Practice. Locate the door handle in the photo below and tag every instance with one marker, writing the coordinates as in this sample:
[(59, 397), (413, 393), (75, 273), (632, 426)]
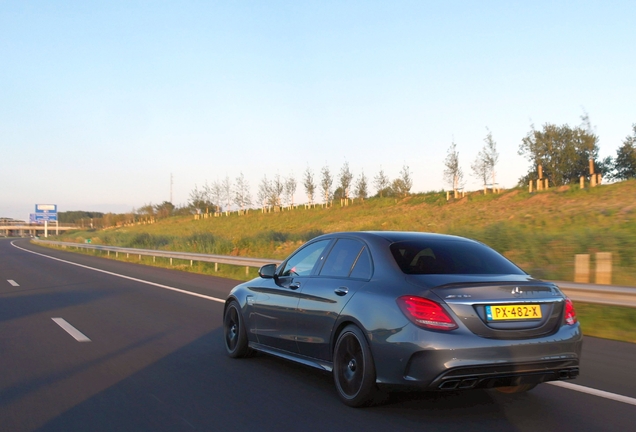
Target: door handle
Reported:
[(294, 286), (341, 291)]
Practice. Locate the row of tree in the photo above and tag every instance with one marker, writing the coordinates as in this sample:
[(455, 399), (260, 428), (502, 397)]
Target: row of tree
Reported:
[(280, 191), (563, 152)]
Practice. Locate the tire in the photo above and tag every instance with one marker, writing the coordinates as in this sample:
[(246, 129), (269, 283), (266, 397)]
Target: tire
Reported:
[(234, 332), (353, 368), (522, 388)]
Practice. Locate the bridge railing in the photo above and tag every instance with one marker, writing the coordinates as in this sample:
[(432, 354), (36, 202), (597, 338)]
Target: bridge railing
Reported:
[(585, 293)]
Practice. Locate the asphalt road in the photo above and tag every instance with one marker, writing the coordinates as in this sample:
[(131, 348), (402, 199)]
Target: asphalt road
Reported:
[(149, 356)]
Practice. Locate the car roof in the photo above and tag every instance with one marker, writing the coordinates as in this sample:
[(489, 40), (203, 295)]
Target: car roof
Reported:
[(397, 236)]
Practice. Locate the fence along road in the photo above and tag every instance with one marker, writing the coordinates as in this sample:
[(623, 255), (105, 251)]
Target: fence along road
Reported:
[(586, 293)]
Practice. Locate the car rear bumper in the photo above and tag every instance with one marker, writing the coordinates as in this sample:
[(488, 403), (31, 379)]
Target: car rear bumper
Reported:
[(444, 361)]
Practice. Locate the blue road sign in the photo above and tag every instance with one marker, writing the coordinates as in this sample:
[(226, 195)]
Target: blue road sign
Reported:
[(45, 212)]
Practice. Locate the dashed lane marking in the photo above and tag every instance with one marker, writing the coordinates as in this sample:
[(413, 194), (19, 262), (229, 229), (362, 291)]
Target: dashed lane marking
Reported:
[(78, 335)]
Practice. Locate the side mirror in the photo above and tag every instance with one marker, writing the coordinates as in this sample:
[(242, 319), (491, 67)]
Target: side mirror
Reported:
[(268, 271)]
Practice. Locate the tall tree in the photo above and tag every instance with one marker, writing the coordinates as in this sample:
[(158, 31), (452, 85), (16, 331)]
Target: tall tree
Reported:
[(226, 191), (326, 181), (215, 192), (403, 184), (562, 151), (345, 180), (290, 190), (197, 199), (453, 173), (164, 209), (625, 163), (310, 185), (277, 189), (242, 196), (484, 165), (264, 193), (361, 187), (381, 183)]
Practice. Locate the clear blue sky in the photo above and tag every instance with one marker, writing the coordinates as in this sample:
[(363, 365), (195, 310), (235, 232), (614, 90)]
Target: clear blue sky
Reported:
[(101, 101)]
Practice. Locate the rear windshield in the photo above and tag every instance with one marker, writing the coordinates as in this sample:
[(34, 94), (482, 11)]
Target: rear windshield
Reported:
[(450, 257)]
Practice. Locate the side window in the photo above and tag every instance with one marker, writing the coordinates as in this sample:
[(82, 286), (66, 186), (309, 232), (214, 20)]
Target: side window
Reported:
[(303, 262), (363, 267), (341, 258)]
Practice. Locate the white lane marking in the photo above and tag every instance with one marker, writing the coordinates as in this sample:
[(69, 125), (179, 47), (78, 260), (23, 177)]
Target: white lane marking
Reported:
[(126, 277), (78, 335), (594, 392), (12, 282)]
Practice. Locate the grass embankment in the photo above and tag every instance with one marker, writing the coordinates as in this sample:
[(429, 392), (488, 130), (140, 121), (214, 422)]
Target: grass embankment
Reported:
[(541, 232)]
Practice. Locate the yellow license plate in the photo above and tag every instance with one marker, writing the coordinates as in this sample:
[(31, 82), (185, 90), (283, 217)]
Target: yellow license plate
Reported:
[(513, 312)]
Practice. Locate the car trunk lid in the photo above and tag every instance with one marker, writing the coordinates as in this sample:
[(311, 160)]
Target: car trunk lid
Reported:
[(503, 309)]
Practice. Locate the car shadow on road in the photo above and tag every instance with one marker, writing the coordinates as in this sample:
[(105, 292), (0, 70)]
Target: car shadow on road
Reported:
[(197, 387)]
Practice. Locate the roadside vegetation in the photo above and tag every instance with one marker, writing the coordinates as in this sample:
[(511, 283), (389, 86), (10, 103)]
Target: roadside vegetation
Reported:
[(540, 231)]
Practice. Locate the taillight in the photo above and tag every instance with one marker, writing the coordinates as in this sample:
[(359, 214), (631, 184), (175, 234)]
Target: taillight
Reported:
[(570, 313), (426, 313)]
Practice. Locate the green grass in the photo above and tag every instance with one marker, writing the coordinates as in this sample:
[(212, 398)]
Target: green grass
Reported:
[(541, 232), (608, 322)]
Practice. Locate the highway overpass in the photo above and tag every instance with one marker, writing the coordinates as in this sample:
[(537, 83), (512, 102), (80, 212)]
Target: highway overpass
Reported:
[(23, 229)]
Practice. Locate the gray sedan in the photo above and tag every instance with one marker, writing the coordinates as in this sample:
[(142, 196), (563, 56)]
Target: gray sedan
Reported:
[(389, 310)]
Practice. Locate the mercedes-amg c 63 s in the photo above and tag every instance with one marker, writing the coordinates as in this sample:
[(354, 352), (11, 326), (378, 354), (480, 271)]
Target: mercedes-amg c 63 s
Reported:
[(406, 309)]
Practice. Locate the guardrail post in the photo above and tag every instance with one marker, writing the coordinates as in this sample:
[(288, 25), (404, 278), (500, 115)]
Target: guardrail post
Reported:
[(216, 267), (582, 268), (247, 270), (603, 268)]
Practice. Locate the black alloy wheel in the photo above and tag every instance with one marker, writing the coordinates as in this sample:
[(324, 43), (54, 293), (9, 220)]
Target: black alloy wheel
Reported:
[(353, 368), (235, 335)]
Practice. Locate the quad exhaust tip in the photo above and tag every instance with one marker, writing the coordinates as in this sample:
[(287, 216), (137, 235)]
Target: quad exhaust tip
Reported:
[(472, 382)]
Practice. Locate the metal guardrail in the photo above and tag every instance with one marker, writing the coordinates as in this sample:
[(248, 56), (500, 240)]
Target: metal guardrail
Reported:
[(585, 293), (599, 294), (188, 256)]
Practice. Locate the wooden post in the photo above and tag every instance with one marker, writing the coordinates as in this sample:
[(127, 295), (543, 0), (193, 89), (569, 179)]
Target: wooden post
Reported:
[(593, 180), (604, 268), (539, 185), (546, 184), (591, 166), (216, 267), (582, 181), (540, 172), (447, 195), (582, 268), (530, 187)]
